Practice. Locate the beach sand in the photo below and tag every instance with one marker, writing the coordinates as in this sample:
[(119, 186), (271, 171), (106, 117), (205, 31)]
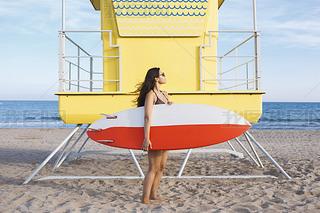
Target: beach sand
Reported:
[(297, 151)]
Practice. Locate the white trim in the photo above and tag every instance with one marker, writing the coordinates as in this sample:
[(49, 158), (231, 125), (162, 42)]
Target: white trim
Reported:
[(172, 115)]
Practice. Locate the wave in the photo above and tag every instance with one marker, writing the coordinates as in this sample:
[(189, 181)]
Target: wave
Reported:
[(185, 1), (163, 7), (159, 21), (160, 28), (30, 118), (30, 123), (160, 14), (40, 119), (290, 119), (56, 118), (36, 125), (286, 127)]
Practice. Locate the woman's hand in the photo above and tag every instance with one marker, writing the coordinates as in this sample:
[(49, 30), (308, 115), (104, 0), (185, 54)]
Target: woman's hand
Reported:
[(170, 102), (146, 144)]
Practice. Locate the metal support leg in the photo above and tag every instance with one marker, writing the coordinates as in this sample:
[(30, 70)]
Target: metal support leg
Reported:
[(77, 154), (69, 150), (267, 154), (184, 162), (61, 154), (136, 163), (84, 143), (244, 148), (233, 149), (52, 154), (254, 151)]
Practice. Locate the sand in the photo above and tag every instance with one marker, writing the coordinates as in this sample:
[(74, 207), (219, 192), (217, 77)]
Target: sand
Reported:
[(297, 151)]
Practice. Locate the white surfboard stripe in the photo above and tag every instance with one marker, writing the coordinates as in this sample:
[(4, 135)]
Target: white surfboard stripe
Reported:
[(172, 115)]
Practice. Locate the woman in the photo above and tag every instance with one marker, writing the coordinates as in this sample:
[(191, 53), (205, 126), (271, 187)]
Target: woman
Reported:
[(150, 94)]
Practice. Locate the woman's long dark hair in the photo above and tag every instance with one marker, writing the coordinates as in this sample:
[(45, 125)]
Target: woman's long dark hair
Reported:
[(146, 86)]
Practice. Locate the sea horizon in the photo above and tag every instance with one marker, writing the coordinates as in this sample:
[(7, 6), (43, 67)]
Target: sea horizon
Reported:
[(45, 114), (262, 101)]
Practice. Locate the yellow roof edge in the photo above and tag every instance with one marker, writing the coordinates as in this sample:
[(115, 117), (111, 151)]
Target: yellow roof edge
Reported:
[(220, 2), (171, 93), (96, 4)]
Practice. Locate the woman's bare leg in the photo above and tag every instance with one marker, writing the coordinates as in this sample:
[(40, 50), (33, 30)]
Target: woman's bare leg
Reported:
[(158, 177), (154, 158)]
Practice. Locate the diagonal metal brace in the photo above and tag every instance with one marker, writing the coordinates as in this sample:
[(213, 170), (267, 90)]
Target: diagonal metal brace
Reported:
[(52, 154), (267, 154)]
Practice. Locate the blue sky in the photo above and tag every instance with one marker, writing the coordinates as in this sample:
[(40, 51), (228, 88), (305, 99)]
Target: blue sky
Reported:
[(290, 44)]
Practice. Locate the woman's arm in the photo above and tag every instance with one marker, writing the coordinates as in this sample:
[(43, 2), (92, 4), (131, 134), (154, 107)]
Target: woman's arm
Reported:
[(148, 105)]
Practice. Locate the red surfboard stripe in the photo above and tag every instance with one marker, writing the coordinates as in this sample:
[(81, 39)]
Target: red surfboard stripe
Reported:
[(169, 137)]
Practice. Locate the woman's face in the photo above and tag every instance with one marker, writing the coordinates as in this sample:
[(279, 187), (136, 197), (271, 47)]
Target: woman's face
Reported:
[(161, 78)]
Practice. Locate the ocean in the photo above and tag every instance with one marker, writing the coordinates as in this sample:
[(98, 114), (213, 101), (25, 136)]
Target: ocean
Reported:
[(31, 114), (289, 115), (44, 114)]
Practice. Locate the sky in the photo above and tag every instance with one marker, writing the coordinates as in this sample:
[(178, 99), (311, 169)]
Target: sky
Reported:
[(290, 45)]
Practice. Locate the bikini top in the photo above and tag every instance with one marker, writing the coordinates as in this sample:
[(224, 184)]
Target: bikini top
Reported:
[(159, 101)]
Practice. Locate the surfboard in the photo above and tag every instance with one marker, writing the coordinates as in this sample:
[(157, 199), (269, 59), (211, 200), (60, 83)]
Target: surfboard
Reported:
[(176, 126)]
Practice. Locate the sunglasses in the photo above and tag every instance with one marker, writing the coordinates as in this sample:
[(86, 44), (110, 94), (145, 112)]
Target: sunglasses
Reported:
[(162, 74)]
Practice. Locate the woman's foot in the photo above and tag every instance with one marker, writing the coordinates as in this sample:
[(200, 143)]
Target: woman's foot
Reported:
[(157, 198), (144, 201)]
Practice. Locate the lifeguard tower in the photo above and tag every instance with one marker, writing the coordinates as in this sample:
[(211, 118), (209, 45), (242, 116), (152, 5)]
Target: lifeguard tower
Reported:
[(179, 36)]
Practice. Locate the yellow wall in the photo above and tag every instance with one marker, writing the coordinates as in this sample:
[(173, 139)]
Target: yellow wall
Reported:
[(177, 56), (85, 108)]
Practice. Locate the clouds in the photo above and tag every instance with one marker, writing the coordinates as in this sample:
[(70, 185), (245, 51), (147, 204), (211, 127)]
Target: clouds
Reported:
[(82, 16), (34, 17), (29, 44), (293, 24), (29, 16), (290, 23), (290, 43)]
